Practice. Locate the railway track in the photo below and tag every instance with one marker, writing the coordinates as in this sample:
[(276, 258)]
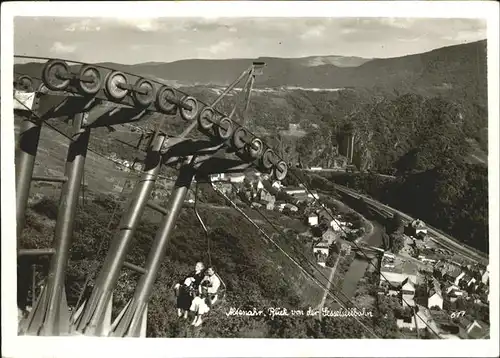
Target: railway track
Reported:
[(439, 237)]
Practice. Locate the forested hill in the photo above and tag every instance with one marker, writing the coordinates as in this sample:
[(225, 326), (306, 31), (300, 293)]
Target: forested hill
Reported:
[(395, 105), (438, 71)]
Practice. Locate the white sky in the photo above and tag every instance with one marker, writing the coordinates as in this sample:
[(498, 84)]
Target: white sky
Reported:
[(129, 40)]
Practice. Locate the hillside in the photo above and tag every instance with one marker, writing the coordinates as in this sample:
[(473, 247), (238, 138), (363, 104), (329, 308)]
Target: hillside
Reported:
[(391, 103), (412, 116), (255, 272)]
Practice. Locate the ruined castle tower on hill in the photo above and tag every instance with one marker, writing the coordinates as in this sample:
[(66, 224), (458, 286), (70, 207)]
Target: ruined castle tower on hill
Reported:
[(345, 140)]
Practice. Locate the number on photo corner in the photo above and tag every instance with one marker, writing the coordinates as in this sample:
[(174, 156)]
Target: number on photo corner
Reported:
[(457, 314)]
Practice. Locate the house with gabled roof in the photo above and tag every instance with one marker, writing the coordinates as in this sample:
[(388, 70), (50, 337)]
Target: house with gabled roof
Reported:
[(435, 296), (408, 293), (473, 329), (397, 271), (459, 277)]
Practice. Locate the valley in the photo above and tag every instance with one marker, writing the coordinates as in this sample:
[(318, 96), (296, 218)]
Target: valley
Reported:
[(418, 124)]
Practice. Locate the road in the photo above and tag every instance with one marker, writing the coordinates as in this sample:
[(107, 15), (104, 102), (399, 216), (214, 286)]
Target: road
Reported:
[(327, 289), (440, 238)]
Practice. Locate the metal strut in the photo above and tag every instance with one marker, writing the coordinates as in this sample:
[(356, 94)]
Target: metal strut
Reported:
[(29, 137), (92, 319), (131, 322), (50, 316)]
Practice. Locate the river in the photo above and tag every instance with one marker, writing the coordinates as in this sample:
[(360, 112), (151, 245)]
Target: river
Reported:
[(359, 265)]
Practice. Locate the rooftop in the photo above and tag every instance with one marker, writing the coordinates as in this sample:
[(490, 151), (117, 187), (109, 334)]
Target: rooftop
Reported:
[(474, 331), (290, 188), (435, 288), (322, 244), (448, 268), (400, 266)]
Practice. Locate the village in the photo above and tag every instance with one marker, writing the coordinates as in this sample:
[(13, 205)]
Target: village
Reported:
[(450, 293)]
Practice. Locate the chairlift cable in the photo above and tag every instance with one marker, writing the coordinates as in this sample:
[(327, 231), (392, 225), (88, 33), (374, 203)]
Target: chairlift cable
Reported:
[(358, 247), (307, 274), (314, 266)]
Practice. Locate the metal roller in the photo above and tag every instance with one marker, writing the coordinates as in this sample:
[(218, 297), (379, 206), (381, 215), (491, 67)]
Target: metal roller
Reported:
[(224, 129), (255, 148), (239, 137), (166, 100), (56, 75), (144, 92), (24, 83), (268, 159), (89, 80), (206, 118), (189, 108), (280, 170), (116, 86)]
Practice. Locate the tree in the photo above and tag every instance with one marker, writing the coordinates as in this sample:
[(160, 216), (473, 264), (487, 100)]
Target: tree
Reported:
[(385, 239), (395, 224), (316, 231), (397, 242), (335, 247)]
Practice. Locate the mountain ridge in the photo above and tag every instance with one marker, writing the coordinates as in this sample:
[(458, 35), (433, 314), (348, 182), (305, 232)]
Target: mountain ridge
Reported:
[(390, 72)]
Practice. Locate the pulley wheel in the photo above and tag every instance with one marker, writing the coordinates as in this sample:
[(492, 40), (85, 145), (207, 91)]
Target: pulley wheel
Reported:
[(24, 83), (54, 75), (191, 113), (255, 148), (90, 80), (239, 137), (280, 170), (144, 92), (206, 118), (224, 128), (165, 99), (113, 91), (268, 159)]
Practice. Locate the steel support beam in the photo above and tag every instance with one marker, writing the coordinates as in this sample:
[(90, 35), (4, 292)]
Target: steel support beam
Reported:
[(51, 315), (131, 323), (29, 137), (50, 179), (91, 321), (37, 252)]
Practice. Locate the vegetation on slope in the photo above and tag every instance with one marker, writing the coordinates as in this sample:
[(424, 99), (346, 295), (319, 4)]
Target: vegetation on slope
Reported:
[(433, 72), (452, 197), (422, 139), (255, 273)]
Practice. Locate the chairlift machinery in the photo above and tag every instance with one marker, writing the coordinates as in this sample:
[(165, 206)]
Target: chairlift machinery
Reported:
[(95, 96)]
